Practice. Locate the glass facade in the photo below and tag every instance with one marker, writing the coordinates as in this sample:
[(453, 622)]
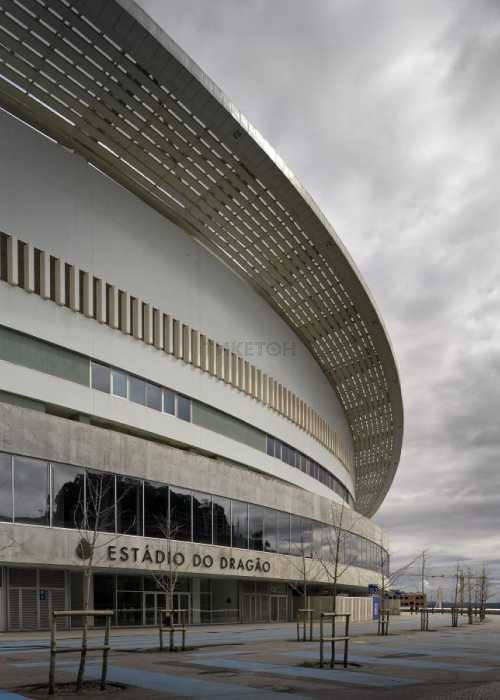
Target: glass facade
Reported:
[(67, 495), (31, 491), (41, 493), (158, 398), (27, 351), (5, 487)]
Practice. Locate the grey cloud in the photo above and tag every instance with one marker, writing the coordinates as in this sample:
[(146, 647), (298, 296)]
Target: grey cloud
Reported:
[(388, 113)]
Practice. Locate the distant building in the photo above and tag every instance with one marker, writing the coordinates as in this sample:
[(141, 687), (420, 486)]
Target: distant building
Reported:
[(418, 600)]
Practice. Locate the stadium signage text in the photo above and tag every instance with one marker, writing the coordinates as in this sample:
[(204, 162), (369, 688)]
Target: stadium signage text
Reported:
[(159, 557)]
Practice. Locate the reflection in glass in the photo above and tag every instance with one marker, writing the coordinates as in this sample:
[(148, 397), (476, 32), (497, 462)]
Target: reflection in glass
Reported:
[(101, 377), (31, 491), (137, 390), (100, 498), (180, 513), (256, 527), (239, 524), (283, 525), (119, 383), (270, 543), (155, 509), (5, 488), (222, 520), (129, 505), (153, 396), (169, 401), (202, 518), (183, 408), (67, 495)]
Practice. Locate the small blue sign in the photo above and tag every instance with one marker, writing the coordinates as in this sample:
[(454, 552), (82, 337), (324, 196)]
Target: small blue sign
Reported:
[(372, 588), (376, 607), (43, 595)]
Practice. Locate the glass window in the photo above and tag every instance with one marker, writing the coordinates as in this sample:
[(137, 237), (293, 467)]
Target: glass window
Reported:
[(169, 401), (277, 449), (296, 539), (5, 487), (101, 377), (307, 536), (129, 505), (31, 491), (153, 396), (222, 520), (119, 383), (317, 539), (270, 531), (283, 527), (100, 498), (202, 517), (183, 408), (256, 527), (137, 390), (270, 446), (155, 510), (239, 524), (180, 513), (67, 495)]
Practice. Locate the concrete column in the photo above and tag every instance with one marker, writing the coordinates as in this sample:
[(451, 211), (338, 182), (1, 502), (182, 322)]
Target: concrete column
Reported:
[(12, 261), (87, 294), (158, 329), (113, 306), (29, 267), (211, 357), (74, 288), (203, 352), (136, 318), (177, 338), (186, 343), (219, 361), (195, 348), (100, 299), (124, 312), (227, 365), (241, 374), (168, 334), (147, 323), (44, 275), (59, 282)]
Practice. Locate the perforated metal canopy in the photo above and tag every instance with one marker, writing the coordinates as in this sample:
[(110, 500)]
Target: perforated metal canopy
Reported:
[(103, 79)]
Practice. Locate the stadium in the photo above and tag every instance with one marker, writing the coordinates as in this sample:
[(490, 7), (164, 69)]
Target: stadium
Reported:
[(195, 383)]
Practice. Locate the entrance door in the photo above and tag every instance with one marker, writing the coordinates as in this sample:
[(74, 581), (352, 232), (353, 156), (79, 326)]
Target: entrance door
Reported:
[(278, 608), (156, 602)]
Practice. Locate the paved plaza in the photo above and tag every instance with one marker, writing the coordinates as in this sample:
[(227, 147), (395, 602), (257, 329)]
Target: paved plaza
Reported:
[(266, 662)]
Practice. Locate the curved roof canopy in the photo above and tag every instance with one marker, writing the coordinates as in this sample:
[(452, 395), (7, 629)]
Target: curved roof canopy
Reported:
[(103, 79)]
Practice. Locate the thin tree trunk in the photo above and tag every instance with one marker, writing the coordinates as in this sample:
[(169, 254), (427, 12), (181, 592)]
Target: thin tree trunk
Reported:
[(83, 651)]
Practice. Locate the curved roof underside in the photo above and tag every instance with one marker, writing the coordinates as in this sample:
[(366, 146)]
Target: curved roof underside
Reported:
[(103, 79)]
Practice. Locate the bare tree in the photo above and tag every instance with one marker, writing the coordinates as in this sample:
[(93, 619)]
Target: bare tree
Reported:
[(306, 566), (337, 555), (483, 592), (166, 577), (95, 519), (388, 579)]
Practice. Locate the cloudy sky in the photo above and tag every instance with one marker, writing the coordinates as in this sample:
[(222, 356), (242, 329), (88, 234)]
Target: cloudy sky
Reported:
[(388, 112)]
